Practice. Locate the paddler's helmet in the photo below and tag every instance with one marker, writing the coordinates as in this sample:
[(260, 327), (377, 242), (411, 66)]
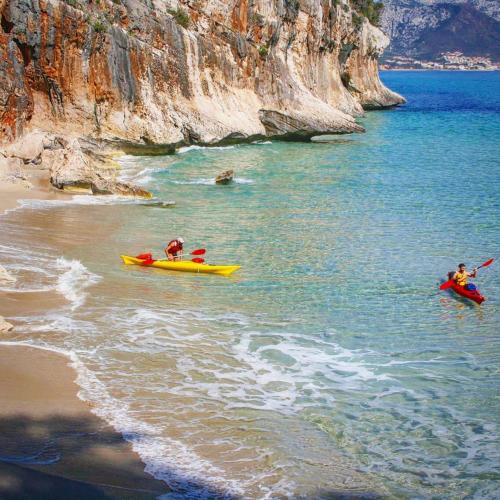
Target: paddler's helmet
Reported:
[(181, 240)]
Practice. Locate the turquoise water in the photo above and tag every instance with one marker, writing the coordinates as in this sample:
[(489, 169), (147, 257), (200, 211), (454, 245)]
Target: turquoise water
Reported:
[(330, 362)]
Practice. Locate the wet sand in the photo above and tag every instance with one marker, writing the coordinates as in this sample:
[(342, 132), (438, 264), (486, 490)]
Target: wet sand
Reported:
[(11, 193), (51, 444)]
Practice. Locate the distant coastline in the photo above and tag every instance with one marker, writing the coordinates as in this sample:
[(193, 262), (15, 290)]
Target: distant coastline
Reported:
[(423, 70), (447, 61)]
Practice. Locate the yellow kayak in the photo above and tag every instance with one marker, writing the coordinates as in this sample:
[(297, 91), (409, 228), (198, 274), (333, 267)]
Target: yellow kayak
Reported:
[(182, 265)]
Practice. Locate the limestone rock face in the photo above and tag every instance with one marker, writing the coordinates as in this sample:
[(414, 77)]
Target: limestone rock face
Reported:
[(360, 73), (16, 98), (146, 73)]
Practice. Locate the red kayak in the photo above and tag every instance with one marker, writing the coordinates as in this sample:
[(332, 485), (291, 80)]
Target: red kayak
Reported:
[(474, 295), (468, 294)]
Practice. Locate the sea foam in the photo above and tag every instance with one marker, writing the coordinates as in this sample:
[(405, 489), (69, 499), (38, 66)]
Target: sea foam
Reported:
[(36, 271), (74, 281), (80, 199), (194, 147)]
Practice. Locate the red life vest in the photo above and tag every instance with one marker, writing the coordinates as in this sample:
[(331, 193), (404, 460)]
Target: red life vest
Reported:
[(176, 248)]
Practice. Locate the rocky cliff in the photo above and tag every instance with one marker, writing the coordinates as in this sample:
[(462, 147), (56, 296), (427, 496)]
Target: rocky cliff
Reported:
[(158, 73)]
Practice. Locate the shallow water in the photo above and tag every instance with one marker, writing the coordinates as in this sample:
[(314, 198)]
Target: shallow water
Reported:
[(330, 362)]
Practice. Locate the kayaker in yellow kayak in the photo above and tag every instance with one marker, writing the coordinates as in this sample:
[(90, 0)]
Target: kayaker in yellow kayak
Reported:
[(461, 275), (174, 250)]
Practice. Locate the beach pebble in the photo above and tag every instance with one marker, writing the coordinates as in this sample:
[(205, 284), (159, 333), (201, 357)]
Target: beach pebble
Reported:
[(5, 277), (5, 326)]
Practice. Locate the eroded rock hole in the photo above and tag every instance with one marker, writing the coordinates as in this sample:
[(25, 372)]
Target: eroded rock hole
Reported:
[(6, 25), (346, 79), (26, 52)]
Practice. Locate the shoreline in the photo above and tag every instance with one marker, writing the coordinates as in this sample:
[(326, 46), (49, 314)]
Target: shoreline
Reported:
[(52, 444), (50, 439), (11, 193)]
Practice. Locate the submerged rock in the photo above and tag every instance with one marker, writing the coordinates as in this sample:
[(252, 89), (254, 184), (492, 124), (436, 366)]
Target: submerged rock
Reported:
[(225, 177), (331, 139), (159, 204)]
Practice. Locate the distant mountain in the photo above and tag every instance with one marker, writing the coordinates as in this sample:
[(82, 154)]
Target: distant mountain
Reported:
[(426, 28)]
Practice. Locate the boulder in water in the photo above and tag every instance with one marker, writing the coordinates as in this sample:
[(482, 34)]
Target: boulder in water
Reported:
[(225, 177)]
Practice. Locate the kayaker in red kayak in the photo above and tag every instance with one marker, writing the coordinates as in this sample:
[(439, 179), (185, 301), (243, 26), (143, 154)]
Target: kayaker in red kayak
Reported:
[(461, 275), (457, 281), (174, 250)]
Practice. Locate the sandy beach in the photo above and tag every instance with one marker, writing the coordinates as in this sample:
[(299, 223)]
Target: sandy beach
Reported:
[(51, 444), (11, 193)]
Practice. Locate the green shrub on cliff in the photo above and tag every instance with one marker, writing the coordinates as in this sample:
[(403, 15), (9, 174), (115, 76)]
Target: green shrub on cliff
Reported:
[(263, 50), (357, 20), (371, 9), (73, 3), (99, 26), (181, 16)]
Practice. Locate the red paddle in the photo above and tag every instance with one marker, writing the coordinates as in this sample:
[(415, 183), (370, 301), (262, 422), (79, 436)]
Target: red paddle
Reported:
[(486, 264), (200, 251), (198, 260), (449, 283)]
